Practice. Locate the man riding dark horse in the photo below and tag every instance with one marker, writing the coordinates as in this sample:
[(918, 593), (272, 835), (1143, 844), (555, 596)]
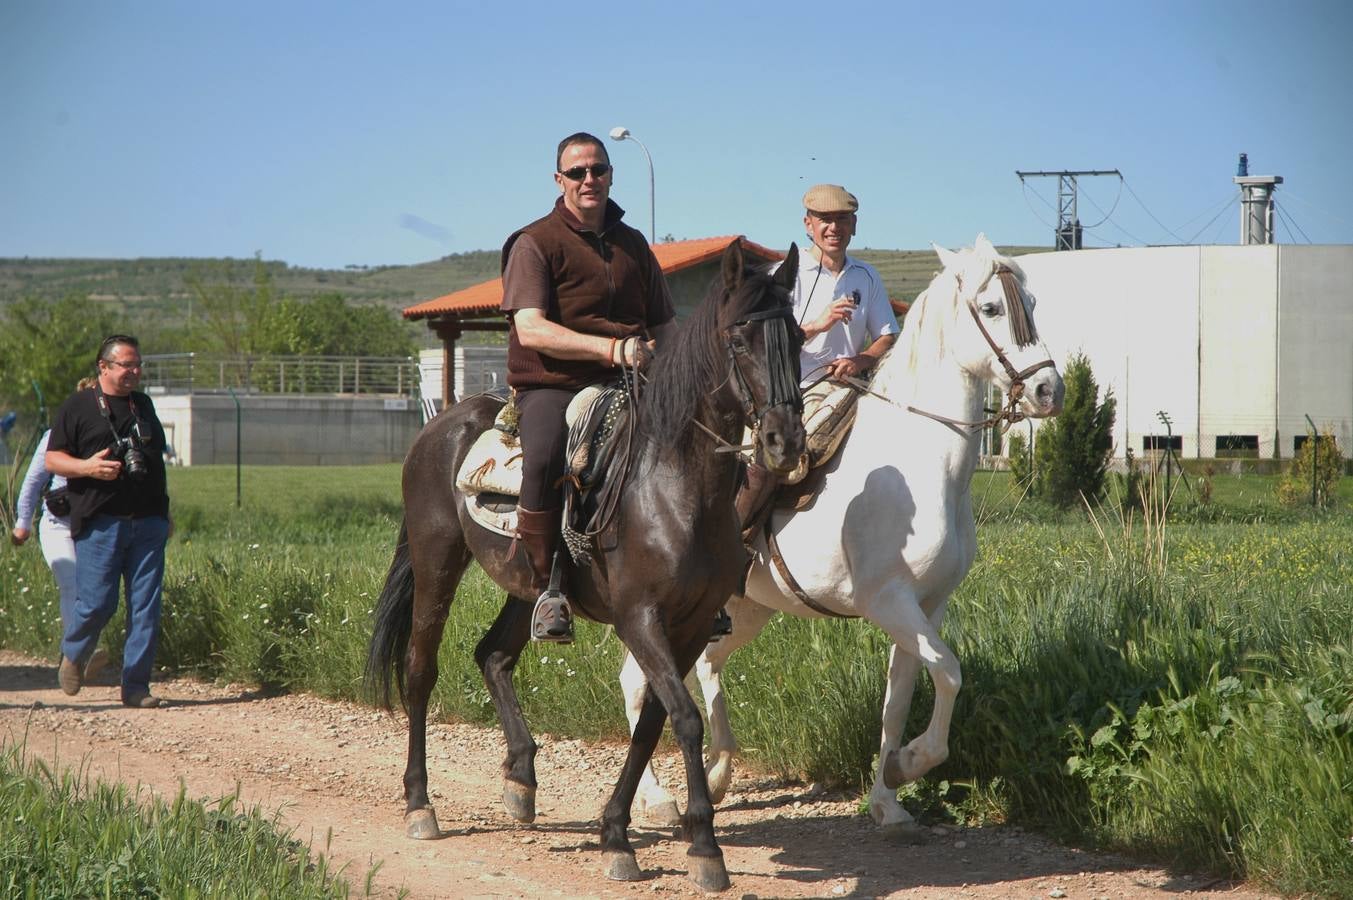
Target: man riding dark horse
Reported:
[(584, 295)]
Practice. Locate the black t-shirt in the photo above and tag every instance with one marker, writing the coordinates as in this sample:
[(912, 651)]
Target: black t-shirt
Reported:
[(81, 431)]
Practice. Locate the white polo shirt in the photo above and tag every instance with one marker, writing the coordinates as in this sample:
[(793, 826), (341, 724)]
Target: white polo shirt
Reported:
[(816, 289)]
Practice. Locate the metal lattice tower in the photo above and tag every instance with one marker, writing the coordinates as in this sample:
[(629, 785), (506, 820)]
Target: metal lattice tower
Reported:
[(1068, 236)]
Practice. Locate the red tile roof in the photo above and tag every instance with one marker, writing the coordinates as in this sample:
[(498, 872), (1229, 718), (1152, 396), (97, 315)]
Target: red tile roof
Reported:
[(485, 298)]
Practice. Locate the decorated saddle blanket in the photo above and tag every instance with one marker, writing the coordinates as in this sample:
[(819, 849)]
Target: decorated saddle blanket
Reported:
[(490, 476)]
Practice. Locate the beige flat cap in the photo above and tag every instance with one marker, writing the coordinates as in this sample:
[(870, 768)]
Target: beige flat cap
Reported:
[(830, 198)]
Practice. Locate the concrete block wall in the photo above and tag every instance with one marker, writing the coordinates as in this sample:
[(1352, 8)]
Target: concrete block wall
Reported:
[(288, 430)]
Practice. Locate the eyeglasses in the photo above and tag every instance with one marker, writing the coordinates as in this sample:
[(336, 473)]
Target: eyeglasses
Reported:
[(578, 173), (134, 364)]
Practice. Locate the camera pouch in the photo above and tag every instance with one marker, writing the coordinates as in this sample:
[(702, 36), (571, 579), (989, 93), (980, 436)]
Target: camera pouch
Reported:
[(58, 503)]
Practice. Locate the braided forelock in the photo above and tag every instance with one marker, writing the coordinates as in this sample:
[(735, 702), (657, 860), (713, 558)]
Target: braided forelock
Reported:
[(1021, 327)]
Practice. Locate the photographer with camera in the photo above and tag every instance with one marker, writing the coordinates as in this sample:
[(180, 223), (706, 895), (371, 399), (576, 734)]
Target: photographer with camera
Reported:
[(108, 443)]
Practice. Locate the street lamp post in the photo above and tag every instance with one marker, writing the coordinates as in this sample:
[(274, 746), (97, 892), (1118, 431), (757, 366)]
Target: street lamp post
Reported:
[(620, 133)]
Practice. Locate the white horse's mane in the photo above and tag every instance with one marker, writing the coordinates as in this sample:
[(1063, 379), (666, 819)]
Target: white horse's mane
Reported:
[(964, 275)]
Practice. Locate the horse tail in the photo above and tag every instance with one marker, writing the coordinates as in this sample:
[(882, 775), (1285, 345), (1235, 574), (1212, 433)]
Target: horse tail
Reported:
[(392, 627)]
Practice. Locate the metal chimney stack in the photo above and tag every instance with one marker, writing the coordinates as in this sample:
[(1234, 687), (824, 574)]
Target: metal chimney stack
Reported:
[(1256, 203)]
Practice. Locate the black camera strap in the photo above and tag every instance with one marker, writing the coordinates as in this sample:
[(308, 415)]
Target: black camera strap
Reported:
[(106, 411)]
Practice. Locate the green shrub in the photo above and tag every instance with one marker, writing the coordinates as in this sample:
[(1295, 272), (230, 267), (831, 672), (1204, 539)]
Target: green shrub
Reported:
[(1071, 455), (1300, 483)]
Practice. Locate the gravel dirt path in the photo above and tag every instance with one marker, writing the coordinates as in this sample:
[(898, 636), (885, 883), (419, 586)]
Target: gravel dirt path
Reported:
[(335, 769)]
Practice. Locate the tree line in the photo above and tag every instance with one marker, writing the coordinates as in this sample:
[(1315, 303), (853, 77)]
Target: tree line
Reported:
[(47, 345)]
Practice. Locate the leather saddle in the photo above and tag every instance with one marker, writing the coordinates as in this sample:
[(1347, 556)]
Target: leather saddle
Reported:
[(490, 476)]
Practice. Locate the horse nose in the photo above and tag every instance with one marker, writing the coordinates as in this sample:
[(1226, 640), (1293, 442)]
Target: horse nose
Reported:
[(1048, 395), (782, 439)]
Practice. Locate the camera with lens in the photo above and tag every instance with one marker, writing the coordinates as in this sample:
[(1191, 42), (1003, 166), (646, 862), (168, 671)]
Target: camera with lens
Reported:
[(127, 450)]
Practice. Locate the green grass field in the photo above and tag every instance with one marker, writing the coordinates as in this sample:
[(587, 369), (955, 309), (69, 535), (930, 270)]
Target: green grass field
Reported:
[(1182, 691)]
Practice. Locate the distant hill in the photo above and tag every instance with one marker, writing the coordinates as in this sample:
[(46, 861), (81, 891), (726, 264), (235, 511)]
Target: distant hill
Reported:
[(164, 280), (159, 285)]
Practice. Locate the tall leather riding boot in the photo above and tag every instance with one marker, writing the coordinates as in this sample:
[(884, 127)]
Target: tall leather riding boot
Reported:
[(753, 502), (538, 535)]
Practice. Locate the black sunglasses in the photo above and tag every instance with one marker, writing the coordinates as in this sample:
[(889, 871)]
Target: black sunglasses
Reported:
[(578, 173)]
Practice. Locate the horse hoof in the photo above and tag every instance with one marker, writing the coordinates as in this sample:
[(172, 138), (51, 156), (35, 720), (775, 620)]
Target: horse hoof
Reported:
[(621, 866), (719, 776), (421, 824), (520, 801), (896, 771), (665, 813), (708, 872)]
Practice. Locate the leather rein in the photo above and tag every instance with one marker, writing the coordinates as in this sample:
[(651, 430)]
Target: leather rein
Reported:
[(782, 381), (1009, 413)]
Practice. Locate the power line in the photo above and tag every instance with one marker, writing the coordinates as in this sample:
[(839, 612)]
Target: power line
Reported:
[(1118, 197), (1291, 238), (1221, 227), (1315, 208), (1232, 200), (1025, 185), (1110, 213), (1151, 214), (1291, 223), (1211, 211)]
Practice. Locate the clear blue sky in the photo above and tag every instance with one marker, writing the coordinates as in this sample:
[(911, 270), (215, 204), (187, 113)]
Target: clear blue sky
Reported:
[(327, 134)]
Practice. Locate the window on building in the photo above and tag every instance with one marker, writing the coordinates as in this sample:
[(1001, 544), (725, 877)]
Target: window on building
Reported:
[(1299, 441), (1162, 442), (1230, 446)]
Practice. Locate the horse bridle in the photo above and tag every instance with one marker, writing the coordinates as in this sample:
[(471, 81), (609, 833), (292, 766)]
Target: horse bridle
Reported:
[(783, 383), (1009, 413)]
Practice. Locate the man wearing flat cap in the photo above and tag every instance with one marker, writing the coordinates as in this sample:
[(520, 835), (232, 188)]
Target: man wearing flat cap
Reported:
[(848, 324), (840, 302)]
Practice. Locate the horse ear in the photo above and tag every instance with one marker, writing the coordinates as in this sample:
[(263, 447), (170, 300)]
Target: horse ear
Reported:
[(947, 257), (789, 269), (984, 246), (732, 265)]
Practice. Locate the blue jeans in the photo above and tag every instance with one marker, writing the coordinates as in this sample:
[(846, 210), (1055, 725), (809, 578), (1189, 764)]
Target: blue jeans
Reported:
[(109, 551)]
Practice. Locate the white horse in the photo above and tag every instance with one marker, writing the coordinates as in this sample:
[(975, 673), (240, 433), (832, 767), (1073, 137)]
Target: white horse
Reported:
[(891, 533)]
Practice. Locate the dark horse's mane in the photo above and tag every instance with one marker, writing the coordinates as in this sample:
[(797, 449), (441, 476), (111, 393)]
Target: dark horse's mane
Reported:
[(694, 363)]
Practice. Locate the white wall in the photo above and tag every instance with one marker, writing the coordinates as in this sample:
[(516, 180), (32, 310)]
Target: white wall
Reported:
[(1227, 340), (1315, 343), (1094, 302), (294, 430), (1238, 371)]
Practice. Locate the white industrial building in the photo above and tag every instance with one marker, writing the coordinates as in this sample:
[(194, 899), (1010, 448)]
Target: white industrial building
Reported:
[(1236, 345)]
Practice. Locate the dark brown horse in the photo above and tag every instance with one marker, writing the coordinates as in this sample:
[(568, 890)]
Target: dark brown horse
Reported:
[(670, 560)]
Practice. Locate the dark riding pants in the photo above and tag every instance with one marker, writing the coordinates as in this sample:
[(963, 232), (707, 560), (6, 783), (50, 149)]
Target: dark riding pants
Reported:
[(543, 438)]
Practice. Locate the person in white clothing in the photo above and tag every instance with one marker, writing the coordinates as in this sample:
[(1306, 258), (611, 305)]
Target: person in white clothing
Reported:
[(840, 302), (58, 549), (847, 321)]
